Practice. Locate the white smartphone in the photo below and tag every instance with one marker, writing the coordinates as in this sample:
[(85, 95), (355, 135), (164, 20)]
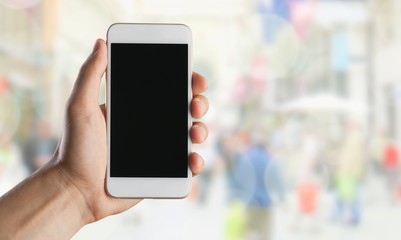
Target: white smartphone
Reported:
[(148, 119)]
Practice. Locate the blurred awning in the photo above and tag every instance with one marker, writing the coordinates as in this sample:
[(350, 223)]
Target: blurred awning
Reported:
[(324, 102)]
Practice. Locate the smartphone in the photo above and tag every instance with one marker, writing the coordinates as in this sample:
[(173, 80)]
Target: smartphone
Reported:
[(148, 119)]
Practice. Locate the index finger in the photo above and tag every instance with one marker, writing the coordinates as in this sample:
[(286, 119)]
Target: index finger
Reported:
[(199, 83)]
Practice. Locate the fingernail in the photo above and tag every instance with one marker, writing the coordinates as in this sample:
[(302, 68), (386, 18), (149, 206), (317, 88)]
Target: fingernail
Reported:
[(201, 103), (202, 132)]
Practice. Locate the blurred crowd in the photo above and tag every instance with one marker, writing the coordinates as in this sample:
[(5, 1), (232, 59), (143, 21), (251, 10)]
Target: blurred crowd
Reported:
[(263, 169)]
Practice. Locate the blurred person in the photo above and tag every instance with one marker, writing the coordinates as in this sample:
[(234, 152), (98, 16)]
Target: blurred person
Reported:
[(229, 147), (348, 175), (307, 194), (257, 180), (377, 146), (391, 169), (69, 191), (308, 181), (39, 147)]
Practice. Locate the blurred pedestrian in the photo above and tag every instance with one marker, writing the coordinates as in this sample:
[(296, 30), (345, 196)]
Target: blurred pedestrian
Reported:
[(308, 181), (348, 174), (391, 169), (229, 147), (376, 150), (256, 181), (39, 147)]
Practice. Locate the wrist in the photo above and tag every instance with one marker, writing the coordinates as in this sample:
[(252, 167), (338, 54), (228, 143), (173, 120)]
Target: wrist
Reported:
[(46, 201), (73, 194)]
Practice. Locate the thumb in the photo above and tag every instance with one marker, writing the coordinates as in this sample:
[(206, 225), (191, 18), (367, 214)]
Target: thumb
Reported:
[(86, 87)]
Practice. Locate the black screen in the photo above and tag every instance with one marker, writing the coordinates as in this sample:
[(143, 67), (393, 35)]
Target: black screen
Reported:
[(149, 110)]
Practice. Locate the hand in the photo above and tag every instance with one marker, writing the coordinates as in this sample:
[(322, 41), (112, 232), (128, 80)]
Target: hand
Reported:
[(81, 157)]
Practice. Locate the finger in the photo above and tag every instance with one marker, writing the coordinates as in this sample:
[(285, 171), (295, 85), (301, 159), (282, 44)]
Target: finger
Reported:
[(199, 132), (196, 163), (199, 106), (199, 83), (86, 88)]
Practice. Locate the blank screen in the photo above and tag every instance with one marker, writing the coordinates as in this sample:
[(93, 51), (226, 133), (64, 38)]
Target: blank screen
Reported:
[(149, 110)]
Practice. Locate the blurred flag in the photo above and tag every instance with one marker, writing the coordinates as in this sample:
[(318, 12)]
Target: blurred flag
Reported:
[(299, 13), (302, 14), (339, 52)]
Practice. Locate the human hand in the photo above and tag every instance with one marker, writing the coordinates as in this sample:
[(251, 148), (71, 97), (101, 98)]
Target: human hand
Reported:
[(81, 157)]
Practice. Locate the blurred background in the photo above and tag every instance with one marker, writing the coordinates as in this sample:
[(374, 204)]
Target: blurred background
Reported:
[(305, 115)]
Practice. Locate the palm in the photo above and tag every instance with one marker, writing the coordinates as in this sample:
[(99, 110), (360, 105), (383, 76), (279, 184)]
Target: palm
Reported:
[(87, 155), (85, 137)]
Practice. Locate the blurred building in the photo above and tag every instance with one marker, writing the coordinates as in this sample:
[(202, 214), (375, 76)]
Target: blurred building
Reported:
[(386, 90), (27, 59)]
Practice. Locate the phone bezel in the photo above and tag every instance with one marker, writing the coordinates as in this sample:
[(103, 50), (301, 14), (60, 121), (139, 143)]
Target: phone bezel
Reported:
[(147, 33)]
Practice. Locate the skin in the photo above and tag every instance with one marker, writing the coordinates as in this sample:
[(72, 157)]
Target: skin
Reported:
[(69, 192)]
